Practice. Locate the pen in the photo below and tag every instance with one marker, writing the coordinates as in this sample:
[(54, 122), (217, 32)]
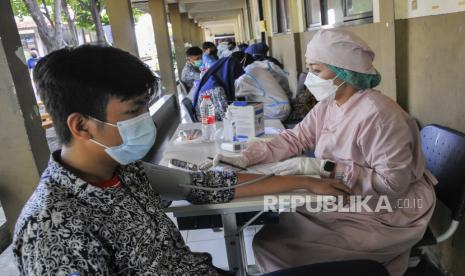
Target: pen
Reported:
[(229, 164)]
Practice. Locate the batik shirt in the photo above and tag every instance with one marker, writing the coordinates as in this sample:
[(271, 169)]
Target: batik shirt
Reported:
[(70, 227), (190, 74)]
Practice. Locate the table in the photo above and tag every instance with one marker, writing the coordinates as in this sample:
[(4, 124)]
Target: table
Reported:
[(197, 153)]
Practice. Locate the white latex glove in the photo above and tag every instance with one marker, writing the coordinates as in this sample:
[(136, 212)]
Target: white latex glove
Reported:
[(300, 166), (238, 160)]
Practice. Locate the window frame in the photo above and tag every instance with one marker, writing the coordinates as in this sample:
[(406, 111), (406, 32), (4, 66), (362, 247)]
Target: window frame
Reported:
[(308, 24), (359, 16), (281, 18), (347, 20)]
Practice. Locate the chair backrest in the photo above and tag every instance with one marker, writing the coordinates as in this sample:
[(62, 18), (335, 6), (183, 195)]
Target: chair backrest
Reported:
[(187, 104), (444, 150), (183, 88), (301, 81), (165, 113)]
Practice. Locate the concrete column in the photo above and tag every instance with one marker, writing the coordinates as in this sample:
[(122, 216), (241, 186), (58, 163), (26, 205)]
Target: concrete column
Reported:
[(24, 151), (194, 38), (248, 32), (195, 31), (122, 25), (236, 33), (297, 12), (199, 34), (268, 20), (186, 28), (202, 34), (178, 39), (162, 42)]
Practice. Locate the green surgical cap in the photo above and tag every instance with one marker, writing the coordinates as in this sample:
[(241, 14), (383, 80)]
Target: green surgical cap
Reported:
[(356, 79)]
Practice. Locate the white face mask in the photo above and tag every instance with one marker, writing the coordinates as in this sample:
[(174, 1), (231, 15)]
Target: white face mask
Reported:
[(138, 135), (321, 88)]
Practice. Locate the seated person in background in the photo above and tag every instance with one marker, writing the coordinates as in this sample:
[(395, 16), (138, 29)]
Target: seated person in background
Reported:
[(259, 85), (191, 71), (94, 211), (210, 54), (259, 52), (218, 82), (243, 58), (230, 49), (222, 45), (303, 102), (242, 46)]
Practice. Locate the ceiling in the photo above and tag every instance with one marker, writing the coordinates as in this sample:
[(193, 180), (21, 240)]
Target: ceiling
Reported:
[(217, 16)]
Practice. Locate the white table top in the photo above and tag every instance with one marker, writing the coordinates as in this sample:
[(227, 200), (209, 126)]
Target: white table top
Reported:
[(198, 153), (183, 208)]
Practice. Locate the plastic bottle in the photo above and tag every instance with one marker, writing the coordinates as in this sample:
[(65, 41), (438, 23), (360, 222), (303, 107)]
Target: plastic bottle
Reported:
[(207, 113)]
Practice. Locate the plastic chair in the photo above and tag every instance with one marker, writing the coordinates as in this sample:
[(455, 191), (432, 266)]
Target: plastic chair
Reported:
[(444, 150), (183, 88)]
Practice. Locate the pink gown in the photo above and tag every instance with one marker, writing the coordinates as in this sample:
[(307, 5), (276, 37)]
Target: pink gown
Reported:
[(378, 147)]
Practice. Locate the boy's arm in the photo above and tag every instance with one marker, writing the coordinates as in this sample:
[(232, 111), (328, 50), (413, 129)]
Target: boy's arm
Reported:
[(212, 179), (271, 185)]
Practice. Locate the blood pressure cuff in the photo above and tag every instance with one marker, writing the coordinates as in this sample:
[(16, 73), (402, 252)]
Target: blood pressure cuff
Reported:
[(165, 181)]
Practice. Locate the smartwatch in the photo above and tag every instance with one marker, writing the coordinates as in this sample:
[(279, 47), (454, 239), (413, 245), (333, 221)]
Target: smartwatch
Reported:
[(329, 168)]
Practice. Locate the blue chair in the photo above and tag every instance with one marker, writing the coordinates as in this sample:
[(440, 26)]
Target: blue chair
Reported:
[(444, 150)]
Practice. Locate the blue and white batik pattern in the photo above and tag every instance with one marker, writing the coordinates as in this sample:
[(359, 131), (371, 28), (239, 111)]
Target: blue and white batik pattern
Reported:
[(69, 227)]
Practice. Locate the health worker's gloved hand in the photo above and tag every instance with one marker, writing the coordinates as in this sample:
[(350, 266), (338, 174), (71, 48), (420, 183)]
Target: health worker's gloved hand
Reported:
[(301, 166), (238, 160)]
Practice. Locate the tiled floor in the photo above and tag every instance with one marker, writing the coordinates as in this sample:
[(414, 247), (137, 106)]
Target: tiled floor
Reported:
[(207, 240), (7, 264)]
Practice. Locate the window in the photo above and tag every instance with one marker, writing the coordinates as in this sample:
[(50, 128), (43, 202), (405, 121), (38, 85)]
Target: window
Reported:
[(313, 11), (281, 17), (337, 12), (357, 9)]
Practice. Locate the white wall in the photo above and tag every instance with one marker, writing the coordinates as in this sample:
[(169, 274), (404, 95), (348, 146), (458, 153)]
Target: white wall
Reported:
[(417, 8)]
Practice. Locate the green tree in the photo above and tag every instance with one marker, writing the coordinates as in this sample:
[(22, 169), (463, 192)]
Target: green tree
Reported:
[(49, 16)]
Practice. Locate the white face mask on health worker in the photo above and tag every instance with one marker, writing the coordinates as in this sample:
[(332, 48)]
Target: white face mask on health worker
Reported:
[(138, 135), (321, 88)]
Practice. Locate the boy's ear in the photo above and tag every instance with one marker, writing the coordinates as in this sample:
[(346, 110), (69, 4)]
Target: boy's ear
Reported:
[(79, 125)]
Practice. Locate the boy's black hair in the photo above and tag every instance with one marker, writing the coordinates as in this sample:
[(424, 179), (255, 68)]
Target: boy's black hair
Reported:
[(208, 45), (83, 79), (194, 51), (232, 43)]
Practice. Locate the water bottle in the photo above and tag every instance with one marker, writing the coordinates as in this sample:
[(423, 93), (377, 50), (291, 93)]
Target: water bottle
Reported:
[(207, 113)]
